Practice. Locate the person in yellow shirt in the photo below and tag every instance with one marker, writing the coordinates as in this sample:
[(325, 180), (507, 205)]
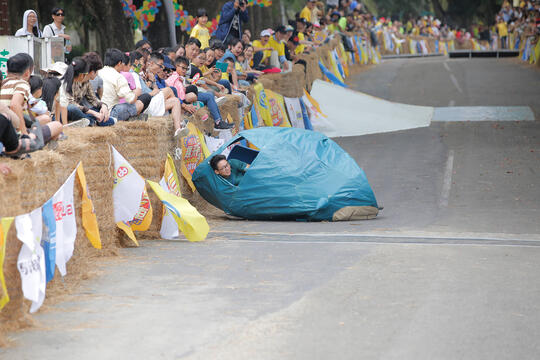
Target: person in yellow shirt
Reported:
[(502, 29), (263, 51), (277, 42), (200, 31), (306, 11)]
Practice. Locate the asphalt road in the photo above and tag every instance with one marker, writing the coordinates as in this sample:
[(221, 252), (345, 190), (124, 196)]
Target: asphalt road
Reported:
[(448, 270)]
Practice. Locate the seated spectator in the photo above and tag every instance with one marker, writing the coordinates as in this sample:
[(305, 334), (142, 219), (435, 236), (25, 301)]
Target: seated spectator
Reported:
[(180, 51), (219, 49), (232, 170), (219, 88), (30, 25), (246, 37), (15, 93), (248, 61), (263, 51), (12, 145), (193, 47), (277, 43), (38, 108), (209, 63), (115, 87), (143, 44), (49, 94), (200, 31)]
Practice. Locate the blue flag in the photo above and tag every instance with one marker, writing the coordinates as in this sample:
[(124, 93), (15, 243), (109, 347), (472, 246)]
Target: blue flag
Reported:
[(305, 115), (333, 78), (48, 238)]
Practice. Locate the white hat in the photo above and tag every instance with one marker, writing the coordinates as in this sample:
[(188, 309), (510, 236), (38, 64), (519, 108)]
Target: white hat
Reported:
[(58, 67), (266, 33)]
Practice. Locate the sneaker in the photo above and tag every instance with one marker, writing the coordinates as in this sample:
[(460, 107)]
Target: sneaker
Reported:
[(222, 125), (181, 132), (140, 117), (219, 100), (115, 120), (84, 122)]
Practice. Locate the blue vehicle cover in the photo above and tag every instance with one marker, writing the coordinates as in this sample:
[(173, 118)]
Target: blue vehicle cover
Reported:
[(295, 175)]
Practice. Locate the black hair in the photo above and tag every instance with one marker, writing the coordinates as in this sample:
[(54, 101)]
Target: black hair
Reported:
[(134, 56), (233, 41), (156, 56), (93, 60), (281, 29), (229, 60), (56, 9), (125, 59), (19, 63), (168, 50), (36, 83), (218, 44), (215, 160), (181, 60), (207, 50), (78, 66), (113, 57), (141, 43), (201, 12), (193, 40), (178, 46), (50, 88)]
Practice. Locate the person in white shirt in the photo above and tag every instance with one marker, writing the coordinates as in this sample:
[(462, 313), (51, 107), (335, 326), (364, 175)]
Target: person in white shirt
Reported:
[(30, 25), (116, 87), (56, 28)]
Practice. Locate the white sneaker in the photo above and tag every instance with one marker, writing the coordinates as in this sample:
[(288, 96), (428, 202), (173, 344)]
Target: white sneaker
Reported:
[(84, 122), (181, 132)]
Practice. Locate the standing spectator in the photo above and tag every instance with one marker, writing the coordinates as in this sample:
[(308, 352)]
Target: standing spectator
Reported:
[(56, 28), (306, 11), (200, 31), (30, 25), (233, 14), (502, 29)]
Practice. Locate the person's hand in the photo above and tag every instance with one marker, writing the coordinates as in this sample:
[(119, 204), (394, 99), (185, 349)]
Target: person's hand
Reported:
[(190, 108), (97, 115), (5, 169), (104, 112), (221, 87)]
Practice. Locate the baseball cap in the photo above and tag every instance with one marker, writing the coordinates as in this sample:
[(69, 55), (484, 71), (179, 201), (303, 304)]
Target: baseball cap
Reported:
[(266, 32), (289, 28)]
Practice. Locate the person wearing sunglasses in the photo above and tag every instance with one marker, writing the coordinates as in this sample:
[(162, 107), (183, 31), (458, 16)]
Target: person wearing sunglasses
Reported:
[(57, 28)]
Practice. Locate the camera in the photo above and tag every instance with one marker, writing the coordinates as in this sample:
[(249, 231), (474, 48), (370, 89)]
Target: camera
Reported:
[(242, 3)]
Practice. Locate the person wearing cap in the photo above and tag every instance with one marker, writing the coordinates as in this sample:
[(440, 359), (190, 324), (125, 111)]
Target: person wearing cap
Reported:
[(306, 11), (334, 18), (263, 51), (277, 43)]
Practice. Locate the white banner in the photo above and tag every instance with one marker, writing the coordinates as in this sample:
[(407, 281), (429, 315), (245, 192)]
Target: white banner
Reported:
[(127, 189), (31, 260), (169, 227), (66, 224)]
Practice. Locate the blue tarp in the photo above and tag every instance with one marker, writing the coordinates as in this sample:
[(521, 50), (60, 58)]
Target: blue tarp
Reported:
[(297, 175)]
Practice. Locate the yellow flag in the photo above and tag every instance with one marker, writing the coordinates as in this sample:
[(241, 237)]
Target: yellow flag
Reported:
[(143, 218), (89, 219), (262, 108), (314, 103), (128, 231), (277, 109), (5, 224), (189, 220), (194, 151), (334, 66)]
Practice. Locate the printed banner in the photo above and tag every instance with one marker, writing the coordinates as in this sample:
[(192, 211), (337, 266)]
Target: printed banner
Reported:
[(31, 260), (66, 224), (188, 219), (294, 109), (170, 183), (89, 219), (277, 109), (261, 105), (194, 151), (5, 224), (132, 208)]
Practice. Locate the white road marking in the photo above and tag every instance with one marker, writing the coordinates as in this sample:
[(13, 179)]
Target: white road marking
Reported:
[(447, 180), (446, 66), (456, 84)]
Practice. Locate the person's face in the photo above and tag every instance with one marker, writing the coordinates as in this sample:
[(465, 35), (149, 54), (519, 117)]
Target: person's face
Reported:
[(245, 38), (200, 59), (192, 51), (92, 75), (155, 66), (37, 94), (218, 53), (58, 16), (310, 5), (237, 49), (209, 57), (32, 19), (147, 47), (288, 35), (264, 39), (182, 69), (202, 20), (223, 168), (248, 52), (180, 52), (230, 67)]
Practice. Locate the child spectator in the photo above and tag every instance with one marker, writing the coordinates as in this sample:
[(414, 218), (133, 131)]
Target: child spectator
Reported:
[(115, 87), (200, 31), (49, 94), (30, 25), (15, 93), (38, 108)]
